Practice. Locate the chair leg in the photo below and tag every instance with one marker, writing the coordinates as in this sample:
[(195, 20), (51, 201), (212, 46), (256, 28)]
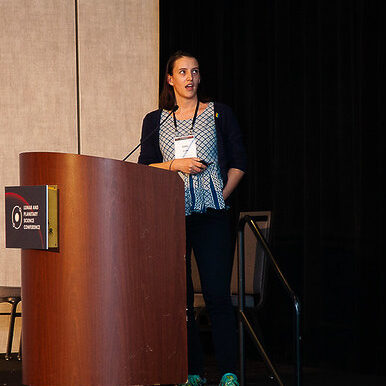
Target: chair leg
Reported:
[(11, 329), (259, 346), (241, 351), (19, 355)]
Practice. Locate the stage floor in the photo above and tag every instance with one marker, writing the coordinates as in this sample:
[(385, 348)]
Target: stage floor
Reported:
[(11, 375)]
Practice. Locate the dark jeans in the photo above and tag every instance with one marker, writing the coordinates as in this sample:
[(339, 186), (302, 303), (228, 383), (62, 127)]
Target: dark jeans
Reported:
[(210, 237)]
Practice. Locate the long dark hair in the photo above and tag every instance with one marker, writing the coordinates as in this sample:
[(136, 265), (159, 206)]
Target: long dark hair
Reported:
[(167, 99)]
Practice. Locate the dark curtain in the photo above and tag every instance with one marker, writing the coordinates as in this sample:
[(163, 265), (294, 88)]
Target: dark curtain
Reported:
[(306, 80)]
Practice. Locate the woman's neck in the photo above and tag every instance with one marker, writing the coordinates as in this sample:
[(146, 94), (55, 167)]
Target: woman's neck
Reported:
[(186, 105)]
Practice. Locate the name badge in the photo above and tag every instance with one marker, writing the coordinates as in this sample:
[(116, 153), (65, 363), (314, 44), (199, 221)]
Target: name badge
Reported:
[(185, 147)]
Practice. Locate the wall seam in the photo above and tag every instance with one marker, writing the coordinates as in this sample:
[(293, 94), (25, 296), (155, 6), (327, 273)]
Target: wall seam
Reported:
[(77, 74)]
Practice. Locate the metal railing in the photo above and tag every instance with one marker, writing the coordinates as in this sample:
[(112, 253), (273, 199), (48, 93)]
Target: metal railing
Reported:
[(243, 321)]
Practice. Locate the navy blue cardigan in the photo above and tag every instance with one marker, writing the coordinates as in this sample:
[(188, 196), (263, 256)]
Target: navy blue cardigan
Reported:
[(231, 152)]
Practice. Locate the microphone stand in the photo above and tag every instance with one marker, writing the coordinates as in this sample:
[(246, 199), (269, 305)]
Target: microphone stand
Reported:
[(175, 108)]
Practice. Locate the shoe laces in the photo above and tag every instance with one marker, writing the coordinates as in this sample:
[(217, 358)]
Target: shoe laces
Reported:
[(195, 380), (229, 379)]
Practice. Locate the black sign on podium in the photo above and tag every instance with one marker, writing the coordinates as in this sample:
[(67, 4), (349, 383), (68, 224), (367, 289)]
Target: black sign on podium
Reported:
[(31, 217)]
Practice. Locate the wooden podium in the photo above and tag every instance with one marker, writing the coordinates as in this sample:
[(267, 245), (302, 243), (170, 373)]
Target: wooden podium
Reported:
[(108, 307)]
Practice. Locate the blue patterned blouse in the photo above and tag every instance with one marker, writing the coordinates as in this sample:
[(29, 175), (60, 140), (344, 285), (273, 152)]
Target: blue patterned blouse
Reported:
[(202, 190)]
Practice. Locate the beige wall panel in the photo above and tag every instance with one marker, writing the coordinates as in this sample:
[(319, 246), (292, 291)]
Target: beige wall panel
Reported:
[(37, 94), (118, 73)]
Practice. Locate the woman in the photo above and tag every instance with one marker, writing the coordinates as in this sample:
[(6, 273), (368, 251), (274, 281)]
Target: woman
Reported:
[(201, 141)]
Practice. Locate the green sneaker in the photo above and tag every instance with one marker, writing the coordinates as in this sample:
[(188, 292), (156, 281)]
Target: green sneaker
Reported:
[(229, 379), (194, 380)]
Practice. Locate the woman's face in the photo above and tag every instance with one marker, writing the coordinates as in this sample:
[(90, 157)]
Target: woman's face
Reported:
[(185, 78)]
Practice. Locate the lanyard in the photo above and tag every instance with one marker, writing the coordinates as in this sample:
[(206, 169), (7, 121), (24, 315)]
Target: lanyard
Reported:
[(194, 118)]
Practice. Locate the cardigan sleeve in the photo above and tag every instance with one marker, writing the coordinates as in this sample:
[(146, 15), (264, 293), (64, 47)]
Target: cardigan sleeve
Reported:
[(231, 138), (150, 152)]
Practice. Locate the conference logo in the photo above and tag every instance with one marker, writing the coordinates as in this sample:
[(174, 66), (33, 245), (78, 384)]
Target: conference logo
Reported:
[(17, 217)]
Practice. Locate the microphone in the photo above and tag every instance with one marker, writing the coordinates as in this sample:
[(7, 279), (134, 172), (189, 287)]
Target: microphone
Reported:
[(174, 109)]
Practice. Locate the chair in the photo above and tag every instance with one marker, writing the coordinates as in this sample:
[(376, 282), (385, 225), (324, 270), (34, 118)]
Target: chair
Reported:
[(255, 263), (254, 255), (253, 225), (255, 267), (11, 295)]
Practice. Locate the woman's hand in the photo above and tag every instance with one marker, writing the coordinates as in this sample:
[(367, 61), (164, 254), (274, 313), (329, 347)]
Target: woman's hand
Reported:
[(234, 177), (188, 165)]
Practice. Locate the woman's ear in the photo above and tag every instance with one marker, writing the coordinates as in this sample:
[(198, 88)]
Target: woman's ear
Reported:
[(170, 80)]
